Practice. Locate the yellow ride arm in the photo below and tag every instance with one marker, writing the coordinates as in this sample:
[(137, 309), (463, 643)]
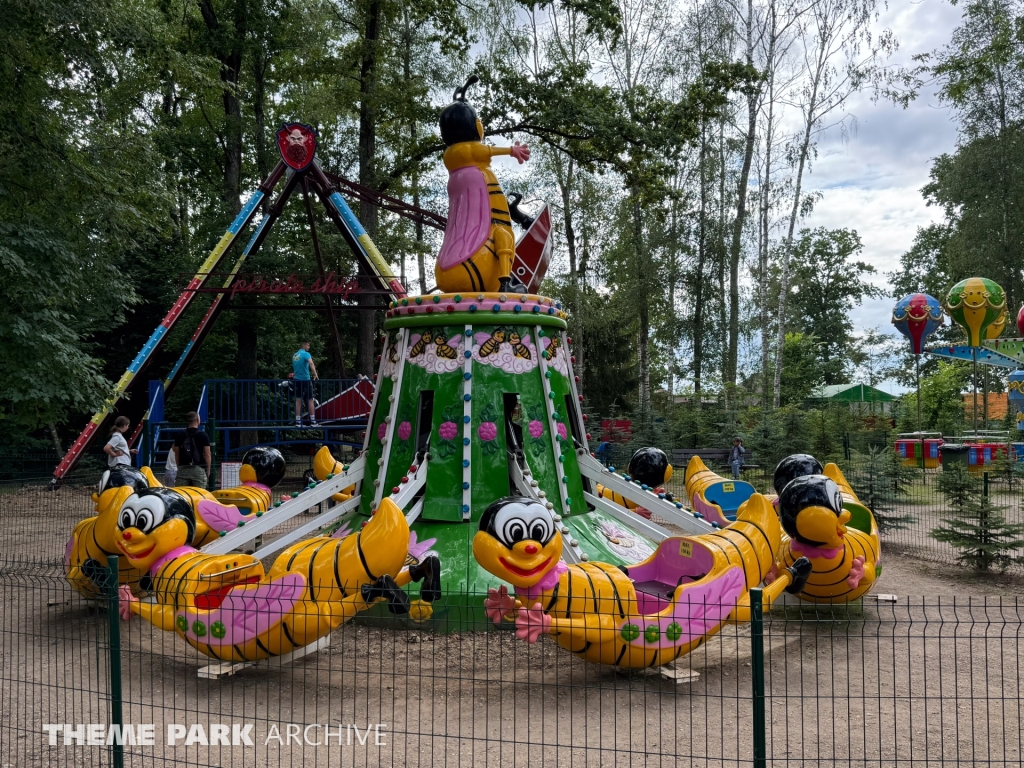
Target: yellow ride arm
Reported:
[(160, 616), (591, 627), (790, 579)]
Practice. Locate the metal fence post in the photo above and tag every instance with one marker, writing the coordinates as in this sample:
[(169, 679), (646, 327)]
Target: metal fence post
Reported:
[(757, 673), (116, 714), (146, 454)]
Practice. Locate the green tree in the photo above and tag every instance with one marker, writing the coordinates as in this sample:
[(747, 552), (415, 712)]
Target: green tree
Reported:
[(882, 482), (975, 527), (942, 405), (802, 370), (80, 196), (980, 74), (827, 283)]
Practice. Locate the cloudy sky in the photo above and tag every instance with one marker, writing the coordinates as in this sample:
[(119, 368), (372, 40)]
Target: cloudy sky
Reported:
[(871, 181)]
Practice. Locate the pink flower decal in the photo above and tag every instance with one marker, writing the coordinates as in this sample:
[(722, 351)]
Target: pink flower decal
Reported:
[(538, 443), (561, 430), (404, 430), (487, 431), (420, 549), (382, 430), (342, 532), (448, 431)]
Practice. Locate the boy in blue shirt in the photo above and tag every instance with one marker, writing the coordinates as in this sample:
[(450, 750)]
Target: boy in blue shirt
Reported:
[(302, 366)]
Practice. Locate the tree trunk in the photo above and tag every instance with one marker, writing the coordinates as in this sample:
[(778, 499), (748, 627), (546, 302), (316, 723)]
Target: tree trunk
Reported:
[(407, 73), (698, 288), (643, 310), (56, 439), (787, 251), (229, 53), (567, 209), (721, 251), (732, 359), (259, 97), (245, 368), (368, 212), (762, 284)]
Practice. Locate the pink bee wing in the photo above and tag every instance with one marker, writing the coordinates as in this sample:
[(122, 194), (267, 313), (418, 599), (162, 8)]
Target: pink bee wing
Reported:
[(711, 512), (706, 604), (247, 612), (220, 517), (469, 217)]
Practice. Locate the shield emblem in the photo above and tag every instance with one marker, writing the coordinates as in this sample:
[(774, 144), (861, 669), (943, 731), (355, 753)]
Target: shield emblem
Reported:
[(297, 144)]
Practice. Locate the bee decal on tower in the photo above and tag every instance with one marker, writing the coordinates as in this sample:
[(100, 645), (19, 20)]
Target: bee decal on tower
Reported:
[(518, 348), (443, 350), (421, 346), (492, 344)]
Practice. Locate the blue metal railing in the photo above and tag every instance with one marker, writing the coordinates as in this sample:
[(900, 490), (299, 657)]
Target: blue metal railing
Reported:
[(240, 402)]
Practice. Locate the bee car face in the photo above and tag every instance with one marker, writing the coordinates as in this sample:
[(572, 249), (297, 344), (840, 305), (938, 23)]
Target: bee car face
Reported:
[(811, 508), (115, 486), (153, 523), (262, 465), (517, 541)]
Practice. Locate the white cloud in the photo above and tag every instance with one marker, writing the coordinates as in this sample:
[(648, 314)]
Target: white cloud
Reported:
[(872, 181)]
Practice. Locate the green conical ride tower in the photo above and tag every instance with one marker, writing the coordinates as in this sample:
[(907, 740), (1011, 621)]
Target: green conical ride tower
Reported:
[(477, 400)]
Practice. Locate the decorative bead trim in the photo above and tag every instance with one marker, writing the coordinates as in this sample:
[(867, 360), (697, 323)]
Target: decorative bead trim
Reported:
[(390, 420), (467, 424), (578, 407), (556, 443), (494, 304)]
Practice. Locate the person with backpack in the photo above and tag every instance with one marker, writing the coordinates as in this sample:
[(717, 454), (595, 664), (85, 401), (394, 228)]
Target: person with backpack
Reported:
[(192, 455)]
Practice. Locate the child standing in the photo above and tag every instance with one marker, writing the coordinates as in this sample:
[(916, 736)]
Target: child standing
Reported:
[(116, 448)]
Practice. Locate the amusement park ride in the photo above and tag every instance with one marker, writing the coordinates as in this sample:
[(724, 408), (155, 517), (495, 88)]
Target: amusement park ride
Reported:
[(978, 306), (475, 474)]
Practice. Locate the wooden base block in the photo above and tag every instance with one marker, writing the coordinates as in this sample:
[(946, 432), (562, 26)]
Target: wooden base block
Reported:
[(228, 668)]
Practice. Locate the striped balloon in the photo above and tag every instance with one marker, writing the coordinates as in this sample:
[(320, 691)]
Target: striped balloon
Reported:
[(917, 317), (976, 304)]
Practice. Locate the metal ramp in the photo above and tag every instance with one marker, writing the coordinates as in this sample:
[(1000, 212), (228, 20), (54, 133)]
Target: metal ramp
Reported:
[(290, 509), (692, 523), (409, 494)]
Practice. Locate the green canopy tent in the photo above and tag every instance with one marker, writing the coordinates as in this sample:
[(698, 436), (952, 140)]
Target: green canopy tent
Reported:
[(853, 393)]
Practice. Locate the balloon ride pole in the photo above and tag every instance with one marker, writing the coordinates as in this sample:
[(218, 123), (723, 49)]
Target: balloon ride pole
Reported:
[(917, 361), (974, 354)]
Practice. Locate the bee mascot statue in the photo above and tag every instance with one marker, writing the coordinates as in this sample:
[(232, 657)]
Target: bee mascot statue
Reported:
[(478, 246)]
